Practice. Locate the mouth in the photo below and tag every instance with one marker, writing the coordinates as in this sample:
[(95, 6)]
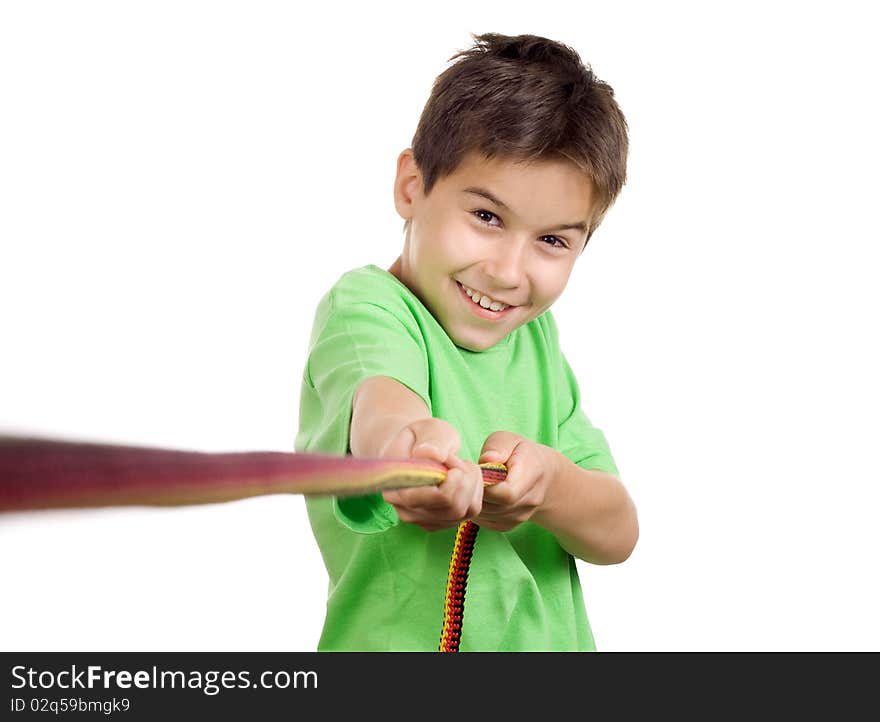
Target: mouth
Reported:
[(481, 311)]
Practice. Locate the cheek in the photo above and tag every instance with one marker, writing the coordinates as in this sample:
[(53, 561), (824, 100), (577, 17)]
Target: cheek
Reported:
[(458, 242), (549, 285)]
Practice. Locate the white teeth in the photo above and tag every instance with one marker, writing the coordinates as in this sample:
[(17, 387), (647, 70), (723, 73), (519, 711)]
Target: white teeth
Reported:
[(484, 301)]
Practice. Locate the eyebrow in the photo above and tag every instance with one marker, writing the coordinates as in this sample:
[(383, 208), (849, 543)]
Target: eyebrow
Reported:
[(581, 226)]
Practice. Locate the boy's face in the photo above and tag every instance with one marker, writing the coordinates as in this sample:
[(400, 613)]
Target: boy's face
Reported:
[(461, 245)]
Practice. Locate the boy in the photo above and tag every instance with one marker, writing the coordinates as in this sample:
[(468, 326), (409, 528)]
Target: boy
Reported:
[(452, 354)]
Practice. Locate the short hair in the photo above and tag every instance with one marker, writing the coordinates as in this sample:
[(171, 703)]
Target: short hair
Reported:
[(524, 98)]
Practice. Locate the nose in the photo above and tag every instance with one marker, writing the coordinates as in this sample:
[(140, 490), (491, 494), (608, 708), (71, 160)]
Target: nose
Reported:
[(506, 265)]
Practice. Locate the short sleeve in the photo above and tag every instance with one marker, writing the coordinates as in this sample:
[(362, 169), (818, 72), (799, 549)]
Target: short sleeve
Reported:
[(579, 440), (351, 342)]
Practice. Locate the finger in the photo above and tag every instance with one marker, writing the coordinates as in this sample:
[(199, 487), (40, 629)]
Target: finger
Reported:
[(436, 440), (430, 449), (499, 525), (529, 499), (451, 500), (490, 507), (435, 519), (454, 462), (429, 498), (476, 507), (524, 472), (470, 480), (428, 523), (498, 447), (400, 447), (510, 490), (504, 496), (462, 488)]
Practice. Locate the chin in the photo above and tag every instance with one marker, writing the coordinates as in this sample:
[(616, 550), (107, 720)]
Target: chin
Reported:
[(476, 346)]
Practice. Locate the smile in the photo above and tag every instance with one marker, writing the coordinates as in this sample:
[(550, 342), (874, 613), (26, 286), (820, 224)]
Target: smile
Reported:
[(483, 306)]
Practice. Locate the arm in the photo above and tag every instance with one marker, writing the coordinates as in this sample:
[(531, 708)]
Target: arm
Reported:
[(381, 409), (589, 511), (390, 420)]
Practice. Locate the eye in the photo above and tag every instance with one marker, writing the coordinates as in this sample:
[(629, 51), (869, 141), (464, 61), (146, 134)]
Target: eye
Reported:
[(554, 242), (485, 212)]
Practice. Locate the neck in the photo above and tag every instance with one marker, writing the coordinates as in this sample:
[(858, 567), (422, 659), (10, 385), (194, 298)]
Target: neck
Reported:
[(396, 269)]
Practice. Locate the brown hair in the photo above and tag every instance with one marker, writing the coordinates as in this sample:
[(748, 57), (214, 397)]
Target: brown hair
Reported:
[(523, 98)]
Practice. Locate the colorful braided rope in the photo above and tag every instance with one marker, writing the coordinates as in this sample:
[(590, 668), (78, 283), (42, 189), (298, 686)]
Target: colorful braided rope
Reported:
[(40, 473), (459, 567), (44, 473), (456, 586)]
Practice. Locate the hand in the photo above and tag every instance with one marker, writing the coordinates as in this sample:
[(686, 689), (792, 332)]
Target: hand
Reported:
[(459, 497), (531, 468)]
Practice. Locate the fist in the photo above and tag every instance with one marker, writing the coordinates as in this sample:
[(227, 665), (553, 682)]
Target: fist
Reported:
[(458, 497), (531, 468)]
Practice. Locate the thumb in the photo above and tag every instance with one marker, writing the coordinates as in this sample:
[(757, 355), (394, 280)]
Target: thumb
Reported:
[(498, 447), (491, 456)]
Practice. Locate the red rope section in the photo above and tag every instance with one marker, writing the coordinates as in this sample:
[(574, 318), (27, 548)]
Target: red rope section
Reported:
[(456, 586), (459, 567), (38, 473), (44, 473)]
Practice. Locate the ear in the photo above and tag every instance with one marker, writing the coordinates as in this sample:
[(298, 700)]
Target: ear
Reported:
[(407, 184)]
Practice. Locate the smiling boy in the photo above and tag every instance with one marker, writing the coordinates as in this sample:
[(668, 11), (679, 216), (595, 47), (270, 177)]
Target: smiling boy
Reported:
[(452, 354)]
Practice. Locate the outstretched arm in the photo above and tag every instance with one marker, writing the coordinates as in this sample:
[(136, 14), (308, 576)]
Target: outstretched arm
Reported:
[(589, 511), (389, 420)]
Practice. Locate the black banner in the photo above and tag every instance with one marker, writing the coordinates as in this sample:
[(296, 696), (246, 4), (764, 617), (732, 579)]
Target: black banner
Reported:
[(416, 686)]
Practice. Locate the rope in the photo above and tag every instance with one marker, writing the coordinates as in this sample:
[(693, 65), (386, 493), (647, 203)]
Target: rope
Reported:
[(37, 474), (459, 566)]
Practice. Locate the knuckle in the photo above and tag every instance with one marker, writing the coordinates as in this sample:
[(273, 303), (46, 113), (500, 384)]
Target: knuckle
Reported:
[(448, 432), (502, 496), (460, 508), (436, 432)]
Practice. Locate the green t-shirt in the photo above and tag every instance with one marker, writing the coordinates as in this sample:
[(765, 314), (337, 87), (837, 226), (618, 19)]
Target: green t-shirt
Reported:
[(388, 577)]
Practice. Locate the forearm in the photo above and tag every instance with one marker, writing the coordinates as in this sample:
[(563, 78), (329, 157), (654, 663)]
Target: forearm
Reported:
[(381, 408), (371, 433), (589, 511)]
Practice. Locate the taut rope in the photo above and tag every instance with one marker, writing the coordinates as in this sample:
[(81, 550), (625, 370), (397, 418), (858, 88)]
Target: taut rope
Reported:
[(38, 473)]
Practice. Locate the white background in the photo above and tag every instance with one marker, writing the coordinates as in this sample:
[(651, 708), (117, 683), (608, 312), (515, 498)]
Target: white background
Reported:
[(181, 181)]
